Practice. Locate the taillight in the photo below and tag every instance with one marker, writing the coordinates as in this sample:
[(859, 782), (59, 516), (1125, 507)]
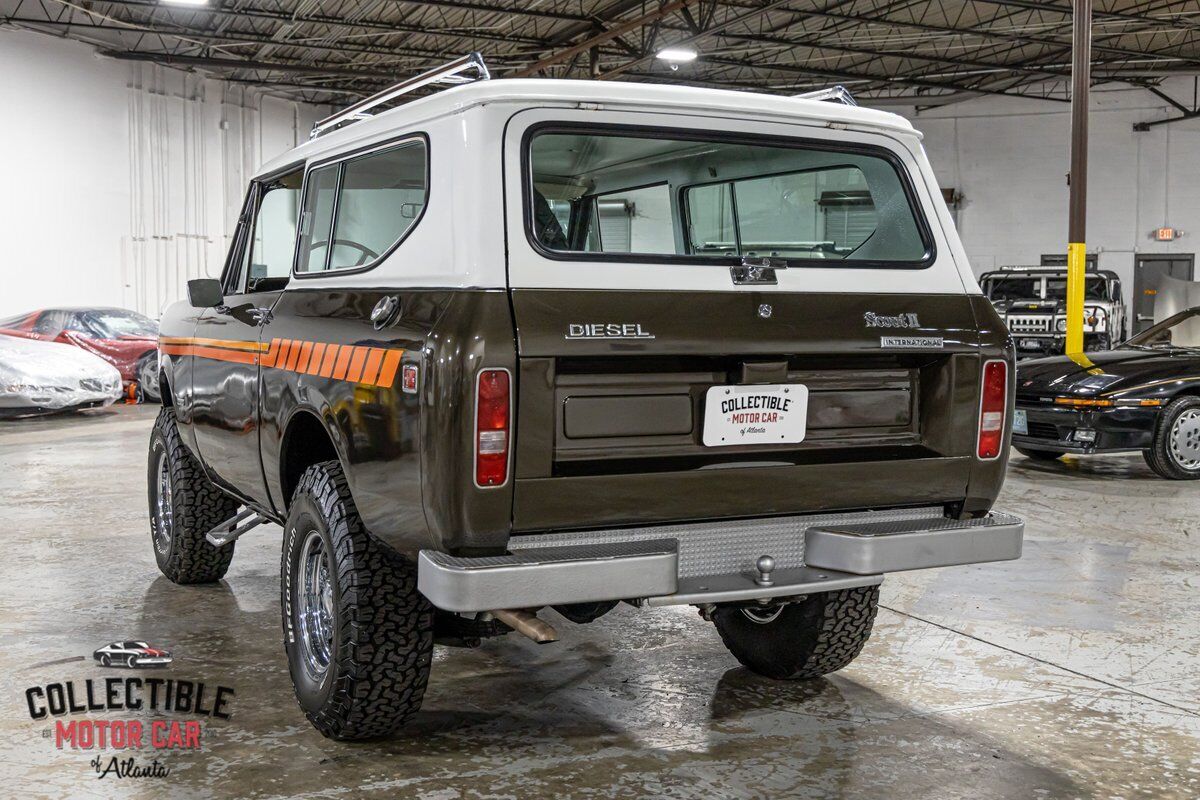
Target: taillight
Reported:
[(993, 397), (491, 427)]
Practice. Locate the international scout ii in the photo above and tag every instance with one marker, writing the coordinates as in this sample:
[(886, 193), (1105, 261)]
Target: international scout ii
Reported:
[(530, 344)]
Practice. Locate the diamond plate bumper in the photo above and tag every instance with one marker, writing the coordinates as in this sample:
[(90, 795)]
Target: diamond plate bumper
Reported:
[(713, 562)]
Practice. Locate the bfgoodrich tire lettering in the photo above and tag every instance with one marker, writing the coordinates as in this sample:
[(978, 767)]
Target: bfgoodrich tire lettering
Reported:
[(808, 639), (381, 627), (1176, 436), (191, 508)]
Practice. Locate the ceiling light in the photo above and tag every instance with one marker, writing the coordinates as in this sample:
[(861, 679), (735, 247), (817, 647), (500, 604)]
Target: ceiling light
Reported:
[(186, 2), (677, 55)]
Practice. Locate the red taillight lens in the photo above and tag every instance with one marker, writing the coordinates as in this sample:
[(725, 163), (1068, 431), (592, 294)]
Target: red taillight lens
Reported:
[(491, 427), (991, 408)]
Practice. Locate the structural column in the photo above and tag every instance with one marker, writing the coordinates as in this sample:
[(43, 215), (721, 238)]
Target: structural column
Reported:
[(1081, 76)]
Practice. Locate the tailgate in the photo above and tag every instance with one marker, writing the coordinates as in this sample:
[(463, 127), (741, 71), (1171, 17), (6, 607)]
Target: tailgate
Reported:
[(613, 399)]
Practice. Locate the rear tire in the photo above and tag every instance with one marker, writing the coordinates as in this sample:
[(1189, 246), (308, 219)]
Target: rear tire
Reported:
[(190, 507), (1175, 452), (357, 633), (808, 639), (146, 374), (1041, 455)]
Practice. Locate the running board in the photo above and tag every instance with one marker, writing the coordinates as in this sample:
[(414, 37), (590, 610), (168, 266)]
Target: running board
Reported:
[(232, 528)]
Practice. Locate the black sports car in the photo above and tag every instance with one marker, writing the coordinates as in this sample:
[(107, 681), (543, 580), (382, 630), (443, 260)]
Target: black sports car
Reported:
[(1144, 395)]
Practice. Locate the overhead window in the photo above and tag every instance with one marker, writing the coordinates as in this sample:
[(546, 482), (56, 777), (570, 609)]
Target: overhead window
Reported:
[(716, 196), (357, 210)]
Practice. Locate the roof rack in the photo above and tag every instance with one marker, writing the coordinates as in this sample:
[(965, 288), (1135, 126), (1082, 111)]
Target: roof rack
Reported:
[(450, 72), (834, 94)]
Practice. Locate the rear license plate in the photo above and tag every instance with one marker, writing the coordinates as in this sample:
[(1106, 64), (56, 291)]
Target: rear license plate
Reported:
[(765, 414), (1029, 344), (1020, 422)]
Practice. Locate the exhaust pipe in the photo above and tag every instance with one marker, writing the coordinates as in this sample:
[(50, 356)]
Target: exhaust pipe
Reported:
[(528, 625)]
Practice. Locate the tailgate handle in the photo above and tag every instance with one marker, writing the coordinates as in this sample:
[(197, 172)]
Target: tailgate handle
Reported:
[(764, 372), (757, 270)]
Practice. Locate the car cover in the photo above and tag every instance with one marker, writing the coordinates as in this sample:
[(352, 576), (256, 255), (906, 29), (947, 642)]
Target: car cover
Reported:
[(46, 376)]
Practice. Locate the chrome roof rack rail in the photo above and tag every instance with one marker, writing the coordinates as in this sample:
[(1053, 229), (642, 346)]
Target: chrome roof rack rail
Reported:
[(834, 94), (450, 72)]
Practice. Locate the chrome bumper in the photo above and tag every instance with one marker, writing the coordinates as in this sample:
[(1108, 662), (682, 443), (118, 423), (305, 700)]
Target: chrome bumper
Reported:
[(813, 554)]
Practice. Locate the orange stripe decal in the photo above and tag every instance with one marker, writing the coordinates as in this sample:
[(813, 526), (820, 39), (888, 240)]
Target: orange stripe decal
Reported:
[(391, 363), (305, 354), (339, 370), (315, 364), (356, 364), (371, 368), (330, 357)]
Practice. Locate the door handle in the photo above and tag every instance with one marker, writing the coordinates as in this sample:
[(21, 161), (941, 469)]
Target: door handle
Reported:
[(261, 315)]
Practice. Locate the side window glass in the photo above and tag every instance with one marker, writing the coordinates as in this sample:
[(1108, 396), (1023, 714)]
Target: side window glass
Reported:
[(317, 218), (274, 238), (710, 220), (636, 220), (381, 196)]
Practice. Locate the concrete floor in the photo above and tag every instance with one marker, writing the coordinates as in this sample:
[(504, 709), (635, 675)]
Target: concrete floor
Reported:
[(1071, 673)]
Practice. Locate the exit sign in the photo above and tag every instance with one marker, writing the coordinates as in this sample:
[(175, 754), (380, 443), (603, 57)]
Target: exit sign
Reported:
[(1167, 234)]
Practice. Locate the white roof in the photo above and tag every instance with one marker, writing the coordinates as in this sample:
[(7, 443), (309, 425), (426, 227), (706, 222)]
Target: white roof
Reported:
[(614, 94)]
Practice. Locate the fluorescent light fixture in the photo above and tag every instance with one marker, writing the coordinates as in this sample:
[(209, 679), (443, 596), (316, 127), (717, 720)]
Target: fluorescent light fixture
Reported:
[(677, 55), (186, 2)]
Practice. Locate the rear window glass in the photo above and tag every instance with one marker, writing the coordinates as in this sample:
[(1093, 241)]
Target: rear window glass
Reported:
[(655, 195)]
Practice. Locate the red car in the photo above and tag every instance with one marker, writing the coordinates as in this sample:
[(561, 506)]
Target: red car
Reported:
[(126, 339)]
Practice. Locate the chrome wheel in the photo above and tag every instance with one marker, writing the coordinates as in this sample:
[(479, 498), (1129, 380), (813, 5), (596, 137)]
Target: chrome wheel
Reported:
[(314, 607), (163, 510), (1185, 439)]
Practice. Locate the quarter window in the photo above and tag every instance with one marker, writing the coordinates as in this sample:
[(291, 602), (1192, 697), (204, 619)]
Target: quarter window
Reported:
[(359, 209)]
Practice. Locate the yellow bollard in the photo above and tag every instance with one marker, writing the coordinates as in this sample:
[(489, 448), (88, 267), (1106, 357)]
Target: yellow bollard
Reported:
[(1076, 268)]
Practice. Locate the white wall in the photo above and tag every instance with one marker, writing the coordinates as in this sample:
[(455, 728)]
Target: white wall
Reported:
[(1009, 157), (121, 180)]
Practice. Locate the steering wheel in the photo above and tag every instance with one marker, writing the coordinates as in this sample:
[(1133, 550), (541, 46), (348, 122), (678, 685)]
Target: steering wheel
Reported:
[(367, 254)]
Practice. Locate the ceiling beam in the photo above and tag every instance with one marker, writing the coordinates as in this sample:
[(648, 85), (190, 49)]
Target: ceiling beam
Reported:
[(600, 38)]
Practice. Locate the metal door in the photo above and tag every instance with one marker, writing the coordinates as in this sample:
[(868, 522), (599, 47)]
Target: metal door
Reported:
[(1148, 270)]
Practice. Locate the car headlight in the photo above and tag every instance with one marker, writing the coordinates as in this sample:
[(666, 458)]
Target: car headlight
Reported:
[(1061, 325)]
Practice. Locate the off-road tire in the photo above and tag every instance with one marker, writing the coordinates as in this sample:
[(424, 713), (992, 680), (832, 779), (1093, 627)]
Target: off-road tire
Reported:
[(1160, 457), (1041, 455), (197, 507), (808, 639), (382, 627)]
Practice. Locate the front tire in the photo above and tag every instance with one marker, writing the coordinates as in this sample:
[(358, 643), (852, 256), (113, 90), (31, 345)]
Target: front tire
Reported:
[(1175, 451), (105, 661), (1040, 455), (184, 507), (802, 640), (357, 633)]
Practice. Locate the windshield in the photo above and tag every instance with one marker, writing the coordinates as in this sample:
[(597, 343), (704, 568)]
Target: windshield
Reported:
[(705, 197), (1094, 288), (1014, 288), (115, 324), (1179, 331)]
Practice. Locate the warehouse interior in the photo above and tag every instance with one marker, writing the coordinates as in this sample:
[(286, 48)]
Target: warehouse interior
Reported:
[(135, 127)]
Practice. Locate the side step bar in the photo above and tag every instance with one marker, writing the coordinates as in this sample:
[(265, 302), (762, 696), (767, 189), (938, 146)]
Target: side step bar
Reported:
[(869, 548), (235, 526)]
